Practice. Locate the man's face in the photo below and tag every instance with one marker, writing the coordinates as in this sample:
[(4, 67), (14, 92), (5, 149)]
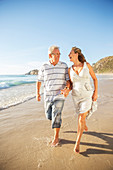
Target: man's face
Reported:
[(55, 56)]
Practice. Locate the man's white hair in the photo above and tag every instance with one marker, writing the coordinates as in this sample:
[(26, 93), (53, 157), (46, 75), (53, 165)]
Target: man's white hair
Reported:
[(50, 50)]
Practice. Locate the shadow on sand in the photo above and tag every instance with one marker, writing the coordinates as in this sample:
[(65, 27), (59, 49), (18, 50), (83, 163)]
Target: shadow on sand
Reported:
[(104, 136)]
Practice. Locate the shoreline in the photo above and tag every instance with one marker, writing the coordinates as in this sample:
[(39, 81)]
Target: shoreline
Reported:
[(13, 105), (19, 94), (104, 73)]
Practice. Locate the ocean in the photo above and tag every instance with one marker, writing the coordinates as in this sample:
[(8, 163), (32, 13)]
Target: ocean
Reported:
[(16, 89)]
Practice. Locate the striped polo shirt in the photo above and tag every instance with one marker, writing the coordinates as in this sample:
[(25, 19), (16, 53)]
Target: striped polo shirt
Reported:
[(54, 79)]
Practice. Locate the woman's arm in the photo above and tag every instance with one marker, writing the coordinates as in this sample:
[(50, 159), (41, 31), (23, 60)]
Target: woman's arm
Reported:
[(95, 81)]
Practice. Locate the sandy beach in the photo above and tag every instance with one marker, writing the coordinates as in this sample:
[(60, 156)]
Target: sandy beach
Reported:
[(25, 135)]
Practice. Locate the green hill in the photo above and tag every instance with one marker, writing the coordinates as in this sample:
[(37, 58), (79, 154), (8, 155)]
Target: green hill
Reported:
[(105, 65)]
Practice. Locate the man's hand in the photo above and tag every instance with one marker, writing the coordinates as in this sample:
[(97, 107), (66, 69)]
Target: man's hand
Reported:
[(65, 92), (38, 97)]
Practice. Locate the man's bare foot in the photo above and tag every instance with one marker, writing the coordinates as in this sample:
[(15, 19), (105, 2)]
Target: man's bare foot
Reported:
[(86, 128), (76, 148), (55, 142)]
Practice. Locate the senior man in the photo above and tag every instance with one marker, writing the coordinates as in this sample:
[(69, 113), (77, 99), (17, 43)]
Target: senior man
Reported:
[(54, 75)]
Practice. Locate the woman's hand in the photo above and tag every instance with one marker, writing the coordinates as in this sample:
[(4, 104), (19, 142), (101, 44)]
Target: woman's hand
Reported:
[(95, 96), (38, 97)]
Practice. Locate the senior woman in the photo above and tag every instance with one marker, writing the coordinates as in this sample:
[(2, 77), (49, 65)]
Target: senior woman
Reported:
[(82, 92)]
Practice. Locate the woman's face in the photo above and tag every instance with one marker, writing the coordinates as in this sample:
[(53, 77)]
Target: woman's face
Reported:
[(72, 55)]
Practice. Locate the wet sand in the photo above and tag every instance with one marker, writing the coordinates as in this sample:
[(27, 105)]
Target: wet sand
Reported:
[(25, 135)]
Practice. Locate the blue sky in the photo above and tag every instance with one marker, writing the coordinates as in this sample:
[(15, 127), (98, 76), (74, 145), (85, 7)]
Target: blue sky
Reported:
[(29, 27)]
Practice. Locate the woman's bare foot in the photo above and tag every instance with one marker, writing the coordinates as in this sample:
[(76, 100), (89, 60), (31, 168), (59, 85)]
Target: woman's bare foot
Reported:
[(55, 142), (76, 148)]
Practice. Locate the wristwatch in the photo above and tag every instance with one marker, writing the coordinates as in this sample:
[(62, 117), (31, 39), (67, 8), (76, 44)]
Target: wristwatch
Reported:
[(67, 88)]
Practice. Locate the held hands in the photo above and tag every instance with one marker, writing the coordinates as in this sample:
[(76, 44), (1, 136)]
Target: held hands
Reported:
[(65, 92), (38, 97)]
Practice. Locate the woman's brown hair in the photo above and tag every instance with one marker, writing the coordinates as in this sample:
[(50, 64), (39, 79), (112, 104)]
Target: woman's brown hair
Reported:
[(81, 57)]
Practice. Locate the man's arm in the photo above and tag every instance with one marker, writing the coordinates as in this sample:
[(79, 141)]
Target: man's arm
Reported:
[(68, 87), (38, 86)]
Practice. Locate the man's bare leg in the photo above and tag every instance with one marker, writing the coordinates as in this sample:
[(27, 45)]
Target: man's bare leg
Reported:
[(56, 135)]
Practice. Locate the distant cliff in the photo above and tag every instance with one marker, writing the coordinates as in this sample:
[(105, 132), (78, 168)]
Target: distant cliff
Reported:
[(32, 72), (105, 65)]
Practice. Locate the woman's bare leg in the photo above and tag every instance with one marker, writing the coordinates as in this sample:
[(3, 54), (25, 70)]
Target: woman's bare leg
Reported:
[(85, 126), (81, 126), (78, 129)]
